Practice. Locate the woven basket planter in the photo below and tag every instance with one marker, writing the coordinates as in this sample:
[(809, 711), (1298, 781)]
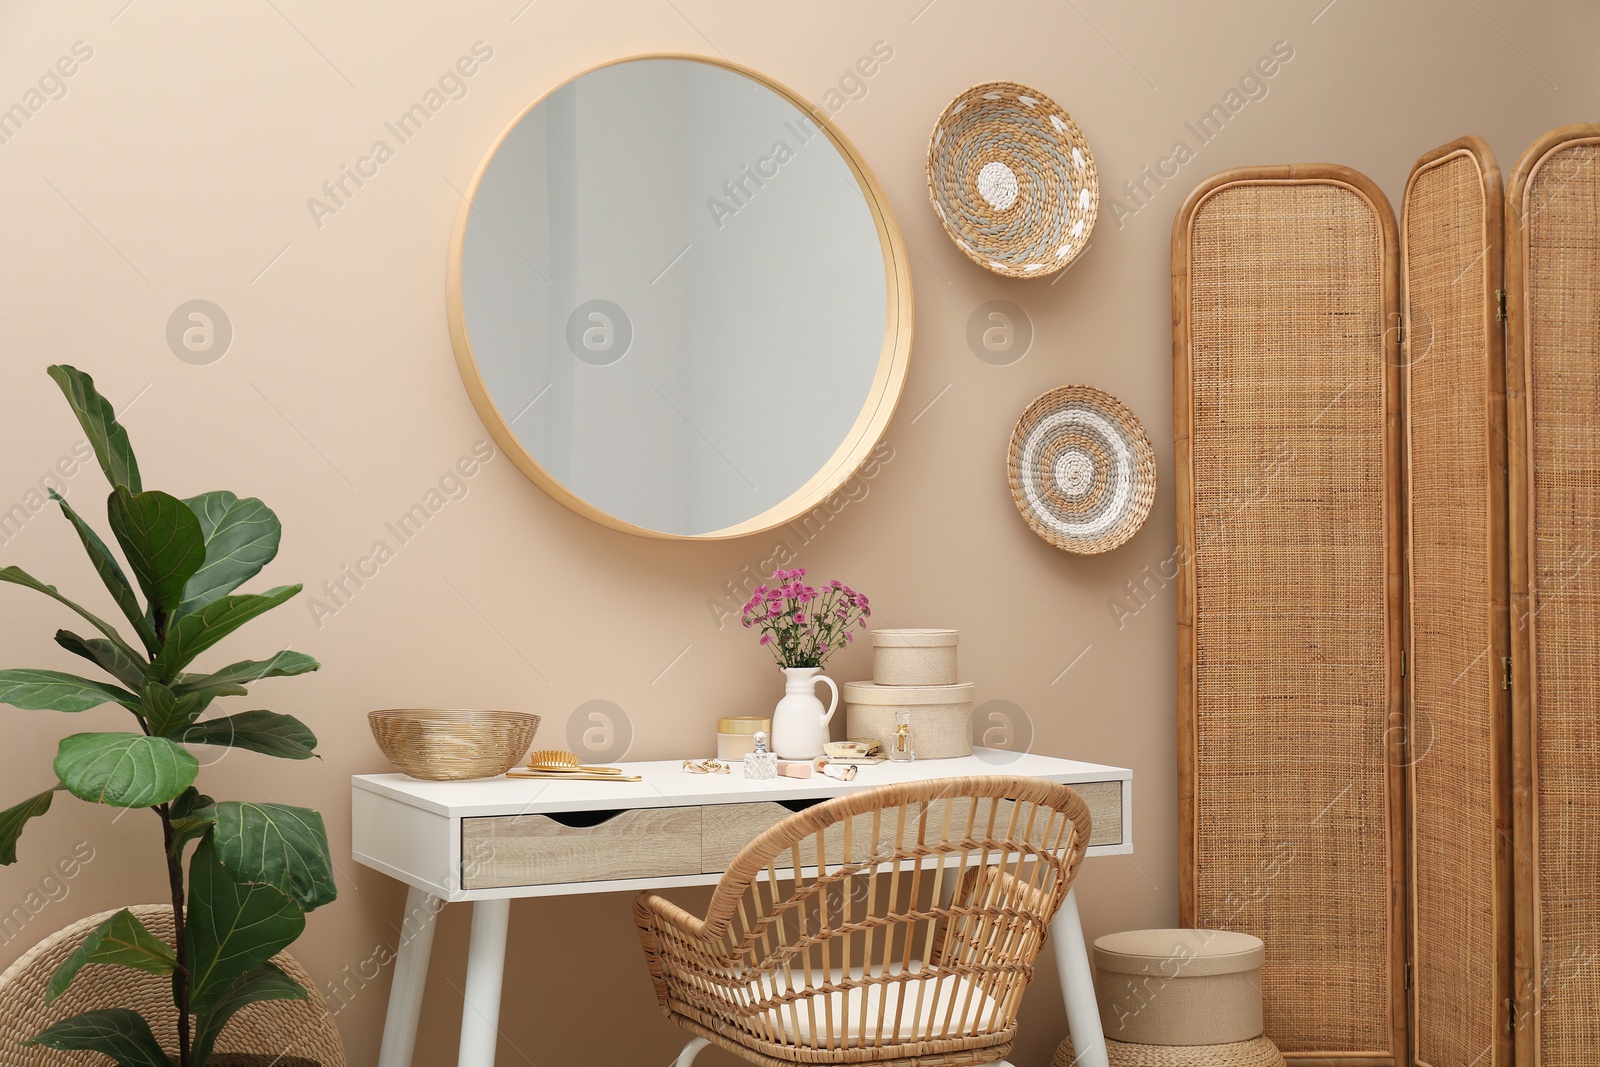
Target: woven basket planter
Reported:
[(281, 1033), (1012, 180), (446, 745), (1082, 470), (1259, 1052)]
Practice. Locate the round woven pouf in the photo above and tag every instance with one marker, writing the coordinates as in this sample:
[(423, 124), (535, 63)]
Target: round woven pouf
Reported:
[(1258, 1052), (1082, 470), (1012, 180)]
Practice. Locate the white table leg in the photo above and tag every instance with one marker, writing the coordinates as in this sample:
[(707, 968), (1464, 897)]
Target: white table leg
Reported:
[(486, 966), (410, 976), (1077, 985)]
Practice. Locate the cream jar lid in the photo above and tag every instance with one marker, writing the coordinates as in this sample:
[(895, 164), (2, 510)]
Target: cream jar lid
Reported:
[(744, 724)]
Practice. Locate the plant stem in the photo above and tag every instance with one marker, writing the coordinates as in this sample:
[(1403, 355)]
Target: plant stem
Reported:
[(180, 977)]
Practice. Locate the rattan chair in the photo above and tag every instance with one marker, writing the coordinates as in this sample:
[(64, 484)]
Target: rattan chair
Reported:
[(301, 1029), (895, 926)]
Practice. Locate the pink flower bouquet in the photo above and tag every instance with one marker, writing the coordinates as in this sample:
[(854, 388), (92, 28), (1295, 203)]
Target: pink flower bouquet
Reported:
[(802, 625)]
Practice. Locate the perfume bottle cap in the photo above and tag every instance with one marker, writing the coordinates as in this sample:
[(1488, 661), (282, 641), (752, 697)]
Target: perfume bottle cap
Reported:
[(761, 741)]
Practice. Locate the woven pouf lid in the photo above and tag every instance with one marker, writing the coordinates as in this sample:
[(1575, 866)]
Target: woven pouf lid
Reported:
[(1258, 1052), (1179, 953), (1179, 987)]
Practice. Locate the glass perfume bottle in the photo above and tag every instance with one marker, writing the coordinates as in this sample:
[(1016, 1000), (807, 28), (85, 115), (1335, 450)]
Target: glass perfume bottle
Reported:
[(760, 764), (901, 749)]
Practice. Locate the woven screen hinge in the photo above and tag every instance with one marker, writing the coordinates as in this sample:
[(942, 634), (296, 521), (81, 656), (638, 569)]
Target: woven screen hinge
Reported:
[(1505, 676), (1402, 663), (1500, 305), (1408, 976), (1511, 1016)]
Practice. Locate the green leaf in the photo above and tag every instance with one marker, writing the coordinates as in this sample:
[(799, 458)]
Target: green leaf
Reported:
[(241, 537), (105, 655), (233, 927), (287, 848), (110, 572), (120, 1033), (285, 664), (162, 540), (167, 715), (198, 631), (36, 690), (121, 941), (13, 819), (99, 422), (191, 815), (18, 576), (266, 982), (124, 770), (267, 732)]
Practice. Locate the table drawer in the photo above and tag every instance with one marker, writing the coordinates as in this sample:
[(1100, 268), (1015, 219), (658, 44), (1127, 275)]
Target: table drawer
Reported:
[(513, 850), (727, 828), (1104, 800)]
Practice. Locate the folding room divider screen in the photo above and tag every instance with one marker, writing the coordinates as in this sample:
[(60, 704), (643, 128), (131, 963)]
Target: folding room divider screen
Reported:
[(1406, 816), (1553, 282)]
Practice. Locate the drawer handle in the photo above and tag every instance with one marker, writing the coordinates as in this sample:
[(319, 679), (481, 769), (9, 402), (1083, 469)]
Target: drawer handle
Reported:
[(801, 804), (580, 820)]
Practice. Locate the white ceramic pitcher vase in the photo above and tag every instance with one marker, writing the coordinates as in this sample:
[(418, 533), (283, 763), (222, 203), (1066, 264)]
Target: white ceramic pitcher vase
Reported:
[(800, 722)]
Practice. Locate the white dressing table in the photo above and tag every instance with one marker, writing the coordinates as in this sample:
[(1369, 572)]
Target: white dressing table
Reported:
[(492, 841)]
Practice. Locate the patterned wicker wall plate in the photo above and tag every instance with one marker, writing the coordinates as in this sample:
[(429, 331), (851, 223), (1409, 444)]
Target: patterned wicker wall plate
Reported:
[(1458, 762), (1286, 409), (1553, 286), (1082, 470), (1012, 180)]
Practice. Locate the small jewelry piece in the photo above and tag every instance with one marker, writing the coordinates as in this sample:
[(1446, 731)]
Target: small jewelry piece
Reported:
[(705, 766), (844, 772), (760, 765)]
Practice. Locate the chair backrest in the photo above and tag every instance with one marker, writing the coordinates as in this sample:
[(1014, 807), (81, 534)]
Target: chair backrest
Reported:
[(919, 909), (281, 1028)]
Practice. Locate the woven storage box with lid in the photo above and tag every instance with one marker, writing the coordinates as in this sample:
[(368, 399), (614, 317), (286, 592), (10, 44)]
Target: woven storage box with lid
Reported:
[(914, 657), (1179, 987), (941, 715)]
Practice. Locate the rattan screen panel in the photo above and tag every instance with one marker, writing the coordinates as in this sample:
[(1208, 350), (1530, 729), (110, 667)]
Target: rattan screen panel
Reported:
[(1553, 279), (1286, 391), (1458, 740)]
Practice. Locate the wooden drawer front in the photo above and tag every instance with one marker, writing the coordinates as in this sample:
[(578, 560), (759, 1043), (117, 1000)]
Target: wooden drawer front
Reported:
[(1103, 798), (512, 850), (1105, 807), (727, 828)]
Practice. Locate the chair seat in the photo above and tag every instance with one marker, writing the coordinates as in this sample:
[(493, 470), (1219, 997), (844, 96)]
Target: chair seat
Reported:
[(859, 1011)]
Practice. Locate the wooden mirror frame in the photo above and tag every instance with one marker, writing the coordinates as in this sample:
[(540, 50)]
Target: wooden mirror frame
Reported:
[(870, 423)]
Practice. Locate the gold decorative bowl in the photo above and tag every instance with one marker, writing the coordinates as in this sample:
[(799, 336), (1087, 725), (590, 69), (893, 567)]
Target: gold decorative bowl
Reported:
[(444, 745)]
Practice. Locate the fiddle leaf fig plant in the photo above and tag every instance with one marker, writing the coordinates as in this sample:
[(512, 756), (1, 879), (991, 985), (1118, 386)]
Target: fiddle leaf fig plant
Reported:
[(253, 869)]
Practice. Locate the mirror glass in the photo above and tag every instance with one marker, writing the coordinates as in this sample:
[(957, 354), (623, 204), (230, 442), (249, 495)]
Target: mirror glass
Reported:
[(677, 299)]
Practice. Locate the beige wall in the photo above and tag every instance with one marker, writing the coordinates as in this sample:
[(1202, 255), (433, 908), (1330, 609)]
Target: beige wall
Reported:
[(178, 165)]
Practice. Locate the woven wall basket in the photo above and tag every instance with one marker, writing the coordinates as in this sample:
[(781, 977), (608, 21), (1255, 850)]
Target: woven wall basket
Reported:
[(1012, 180), (1082, 470)]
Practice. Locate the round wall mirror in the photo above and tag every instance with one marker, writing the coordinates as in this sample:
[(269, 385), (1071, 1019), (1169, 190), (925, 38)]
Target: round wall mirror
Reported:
[(679, 300)]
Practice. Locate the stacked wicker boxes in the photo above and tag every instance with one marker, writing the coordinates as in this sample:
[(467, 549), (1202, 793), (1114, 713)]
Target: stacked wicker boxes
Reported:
[(913, 671)]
